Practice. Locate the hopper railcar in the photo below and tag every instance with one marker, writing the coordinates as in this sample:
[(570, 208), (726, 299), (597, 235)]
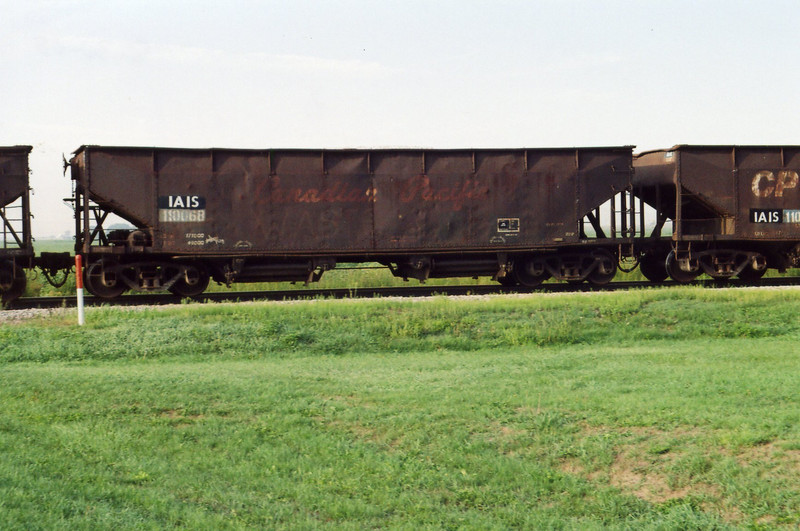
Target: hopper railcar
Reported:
[(734, 210), (517, 215)]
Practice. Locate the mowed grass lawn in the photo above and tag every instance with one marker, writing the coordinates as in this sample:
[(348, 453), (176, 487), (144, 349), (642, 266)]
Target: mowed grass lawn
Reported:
[(667, 409)]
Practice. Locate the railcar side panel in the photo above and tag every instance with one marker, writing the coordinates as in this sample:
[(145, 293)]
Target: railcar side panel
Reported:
[(425, 200), (352, 202), (187, 196), (238, 204), (15, 233), (317, 209), (706, 174), (121, 180), (13, 173), (602, 173), (769, 193), (726, 192)]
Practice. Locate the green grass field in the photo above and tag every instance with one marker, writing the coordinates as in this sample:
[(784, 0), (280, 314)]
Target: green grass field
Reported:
[(660, 409)]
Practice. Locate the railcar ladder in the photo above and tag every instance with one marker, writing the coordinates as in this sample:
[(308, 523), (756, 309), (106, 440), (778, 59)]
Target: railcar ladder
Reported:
[(630, 215), (621, 217), (12, 226)]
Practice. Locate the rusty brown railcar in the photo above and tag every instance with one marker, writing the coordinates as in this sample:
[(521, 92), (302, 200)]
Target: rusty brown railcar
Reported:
[(244, 215), (16, 247), (732, 210)]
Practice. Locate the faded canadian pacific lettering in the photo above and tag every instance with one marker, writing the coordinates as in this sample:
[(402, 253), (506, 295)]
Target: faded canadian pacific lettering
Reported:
[(420, 188), (766, 183), (336, 192), (417, 189)]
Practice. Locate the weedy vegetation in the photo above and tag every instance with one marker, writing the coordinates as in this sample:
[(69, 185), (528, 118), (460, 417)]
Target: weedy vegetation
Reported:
[(660, 409)]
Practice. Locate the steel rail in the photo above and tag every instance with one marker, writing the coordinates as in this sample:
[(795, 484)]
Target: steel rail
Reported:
[(157, 299)]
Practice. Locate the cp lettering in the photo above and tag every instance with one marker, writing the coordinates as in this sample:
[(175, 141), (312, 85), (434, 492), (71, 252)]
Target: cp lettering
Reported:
[(766, 183)]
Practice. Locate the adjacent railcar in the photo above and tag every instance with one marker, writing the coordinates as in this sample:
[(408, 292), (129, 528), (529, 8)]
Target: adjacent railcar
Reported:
[(16, 246), (734, 210), (517, 215)]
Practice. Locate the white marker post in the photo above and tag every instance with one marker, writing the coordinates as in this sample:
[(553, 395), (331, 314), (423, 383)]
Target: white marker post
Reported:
[(79, 286)]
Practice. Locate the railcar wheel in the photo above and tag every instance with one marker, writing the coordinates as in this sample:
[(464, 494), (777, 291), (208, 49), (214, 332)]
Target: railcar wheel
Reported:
[(528, 275), (676, 273), (605, 269), (600, 278), (653, 267), (748, 274), (13, 277), (508, 281), (109, 287), (194, 286)]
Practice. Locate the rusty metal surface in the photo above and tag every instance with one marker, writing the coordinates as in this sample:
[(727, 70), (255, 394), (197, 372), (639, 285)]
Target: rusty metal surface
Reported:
[(13, 173), (124, 183), (353, 202), (15, 234), (726, 192)]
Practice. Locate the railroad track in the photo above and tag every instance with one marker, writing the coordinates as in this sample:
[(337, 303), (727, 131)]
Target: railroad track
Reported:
[(158, 299)]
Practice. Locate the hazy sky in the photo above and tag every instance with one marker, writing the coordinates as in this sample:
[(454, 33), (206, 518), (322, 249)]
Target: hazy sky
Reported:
[(390, 74)]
